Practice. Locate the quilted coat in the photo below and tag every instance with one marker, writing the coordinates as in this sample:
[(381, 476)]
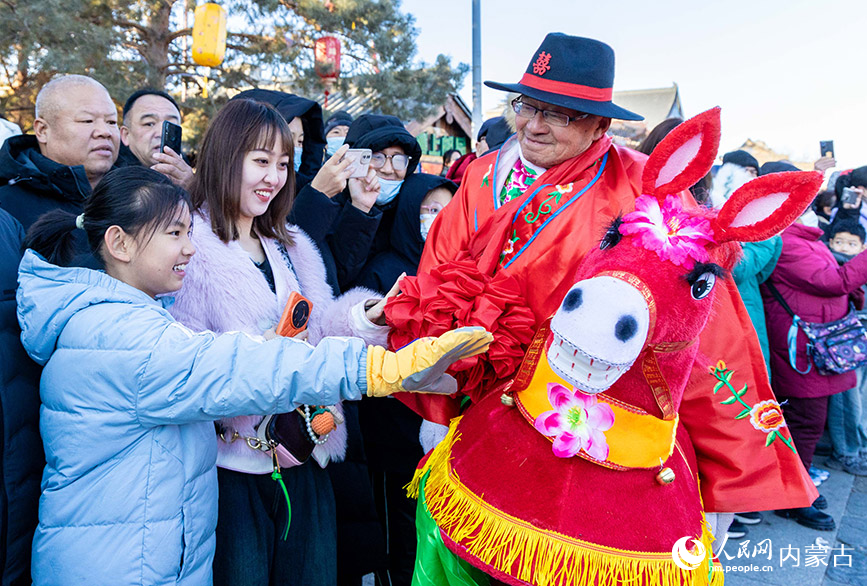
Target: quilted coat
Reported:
[(817, 289), (129, 492)]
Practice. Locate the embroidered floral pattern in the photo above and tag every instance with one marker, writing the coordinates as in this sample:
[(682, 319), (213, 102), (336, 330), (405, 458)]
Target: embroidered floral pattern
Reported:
[(519, 178), (545, 208), (486, 178), (674, 233), (541, 66), (577, 422), (765, 416), (509, 249)]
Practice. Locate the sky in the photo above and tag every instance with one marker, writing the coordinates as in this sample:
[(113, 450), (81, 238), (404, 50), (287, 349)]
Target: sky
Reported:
[(788, 72)]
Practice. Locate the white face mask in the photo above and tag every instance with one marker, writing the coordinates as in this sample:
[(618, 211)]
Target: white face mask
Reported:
[(809, 218), (388, 190), (426, 222)]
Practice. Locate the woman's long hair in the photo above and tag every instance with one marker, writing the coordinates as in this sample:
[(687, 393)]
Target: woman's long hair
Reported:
[(240, 127)]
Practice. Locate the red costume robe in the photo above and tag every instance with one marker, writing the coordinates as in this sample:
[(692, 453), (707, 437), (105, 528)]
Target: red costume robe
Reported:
[(738, 471)]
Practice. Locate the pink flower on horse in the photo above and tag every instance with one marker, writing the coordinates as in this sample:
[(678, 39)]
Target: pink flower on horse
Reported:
[(672, 232), (577, 422)]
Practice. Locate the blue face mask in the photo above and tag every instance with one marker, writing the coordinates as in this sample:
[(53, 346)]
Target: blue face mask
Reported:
[(334, 143), (296, 160), (388, 190)]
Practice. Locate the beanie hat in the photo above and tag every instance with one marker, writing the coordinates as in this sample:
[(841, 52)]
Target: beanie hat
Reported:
[(339, 118), (378, 131), (742, 159), (777, 167)]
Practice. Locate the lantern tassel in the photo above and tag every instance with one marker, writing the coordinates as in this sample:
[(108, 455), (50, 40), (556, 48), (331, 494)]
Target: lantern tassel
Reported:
[(325, 106)]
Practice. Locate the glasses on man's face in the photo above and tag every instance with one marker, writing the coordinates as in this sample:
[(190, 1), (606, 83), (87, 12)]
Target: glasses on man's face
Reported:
[(551, 117), (398, 162)]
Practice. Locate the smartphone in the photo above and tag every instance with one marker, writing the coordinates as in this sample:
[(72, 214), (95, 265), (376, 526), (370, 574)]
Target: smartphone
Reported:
[(361, 158), (849, 196), (826, 148), (295, 316), (171, 137)]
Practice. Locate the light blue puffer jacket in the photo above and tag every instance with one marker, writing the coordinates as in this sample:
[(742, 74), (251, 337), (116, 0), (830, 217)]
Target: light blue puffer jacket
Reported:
[(129, 493)]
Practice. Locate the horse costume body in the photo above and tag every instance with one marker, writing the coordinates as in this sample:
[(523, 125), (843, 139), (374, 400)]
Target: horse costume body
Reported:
[(576, 470)]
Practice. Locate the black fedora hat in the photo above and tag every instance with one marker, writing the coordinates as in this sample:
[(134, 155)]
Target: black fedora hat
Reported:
[(572, 72)]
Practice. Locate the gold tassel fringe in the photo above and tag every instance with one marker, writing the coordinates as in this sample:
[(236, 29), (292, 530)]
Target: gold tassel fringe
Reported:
[(537, 556)]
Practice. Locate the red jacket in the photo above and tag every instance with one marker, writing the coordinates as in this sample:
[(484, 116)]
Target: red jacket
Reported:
[(817, 289)]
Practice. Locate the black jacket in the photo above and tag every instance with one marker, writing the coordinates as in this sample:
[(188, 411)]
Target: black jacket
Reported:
[(20, 444), (32, 184)]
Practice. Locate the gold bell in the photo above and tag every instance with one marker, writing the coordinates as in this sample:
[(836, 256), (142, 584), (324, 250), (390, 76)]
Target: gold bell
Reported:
[(665, 476), (507, 400)]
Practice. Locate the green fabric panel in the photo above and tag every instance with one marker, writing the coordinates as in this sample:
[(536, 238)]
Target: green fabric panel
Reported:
[(435, 565)]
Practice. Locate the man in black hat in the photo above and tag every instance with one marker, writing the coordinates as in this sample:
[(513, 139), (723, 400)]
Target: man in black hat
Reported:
[(542, 202)]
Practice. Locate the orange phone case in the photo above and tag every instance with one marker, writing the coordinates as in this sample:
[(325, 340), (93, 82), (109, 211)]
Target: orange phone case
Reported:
[(295, 316)]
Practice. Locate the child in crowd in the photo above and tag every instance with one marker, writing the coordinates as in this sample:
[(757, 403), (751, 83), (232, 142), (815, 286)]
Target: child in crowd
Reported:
[(129, 396), (848, 437), (249, 261)]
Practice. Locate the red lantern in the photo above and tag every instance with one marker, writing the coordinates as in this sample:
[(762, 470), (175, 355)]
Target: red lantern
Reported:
[(326, 53)]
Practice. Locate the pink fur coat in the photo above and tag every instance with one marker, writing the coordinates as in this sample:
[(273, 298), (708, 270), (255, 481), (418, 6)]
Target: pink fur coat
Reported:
[(224, 291)]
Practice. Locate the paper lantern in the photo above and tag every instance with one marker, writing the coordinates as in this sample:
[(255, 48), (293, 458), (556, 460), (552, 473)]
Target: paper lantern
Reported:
[(326, 54), (209, 35)]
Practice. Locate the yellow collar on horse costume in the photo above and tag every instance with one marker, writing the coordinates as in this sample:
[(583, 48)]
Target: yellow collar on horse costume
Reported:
[(636, 440)]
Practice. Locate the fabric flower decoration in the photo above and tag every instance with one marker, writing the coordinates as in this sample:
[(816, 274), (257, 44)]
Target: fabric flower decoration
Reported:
[(672, 232), (457, 294), (577, 422), (767, 416)]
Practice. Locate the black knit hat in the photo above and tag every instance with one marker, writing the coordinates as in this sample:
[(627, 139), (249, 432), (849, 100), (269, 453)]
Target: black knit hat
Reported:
[(741, 159), (777, 167), (572, 72), (378, 131), (339, 118)]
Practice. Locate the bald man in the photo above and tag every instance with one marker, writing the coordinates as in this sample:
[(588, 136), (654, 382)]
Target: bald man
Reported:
[(74, 143)]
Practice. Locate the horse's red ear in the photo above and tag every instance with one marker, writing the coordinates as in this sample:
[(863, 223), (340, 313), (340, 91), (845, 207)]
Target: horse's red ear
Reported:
[(765, 206), (684, 156)]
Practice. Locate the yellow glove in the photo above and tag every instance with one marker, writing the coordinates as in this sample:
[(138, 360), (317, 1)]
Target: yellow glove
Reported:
[(421, 365)]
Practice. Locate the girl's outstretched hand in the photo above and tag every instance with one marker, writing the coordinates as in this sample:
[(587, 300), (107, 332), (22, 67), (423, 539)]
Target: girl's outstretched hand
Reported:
[(421, 366)]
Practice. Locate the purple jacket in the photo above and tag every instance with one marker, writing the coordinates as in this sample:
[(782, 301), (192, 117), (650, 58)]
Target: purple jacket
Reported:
[(224, 291), (817, 289)]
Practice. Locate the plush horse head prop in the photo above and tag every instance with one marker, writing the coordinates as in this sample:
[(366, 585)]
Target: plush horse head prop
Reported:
[(630, 324)]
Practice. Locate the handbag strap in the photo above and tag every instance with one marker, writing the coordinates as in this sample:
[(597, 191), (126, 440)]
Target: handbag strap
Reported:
[(792, 336), (776, 293)]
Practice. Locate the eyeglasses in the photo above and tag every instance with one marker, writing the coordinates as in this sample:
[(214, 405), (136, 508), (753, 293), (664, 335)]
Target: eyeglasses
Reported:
[(398, 162), (551, 117)]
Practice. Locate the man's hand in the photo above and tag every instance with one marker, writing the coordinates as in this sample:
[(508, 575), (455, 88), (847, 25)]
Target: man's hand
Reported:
[(364, 190), (376, 314), (824, 164), (173, 166), (331, 178)]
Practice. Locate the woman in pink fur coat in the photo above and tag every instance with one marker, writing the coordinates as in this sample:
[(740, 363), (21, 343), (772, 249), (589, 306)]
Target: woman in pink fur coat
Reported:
[(248, 262)]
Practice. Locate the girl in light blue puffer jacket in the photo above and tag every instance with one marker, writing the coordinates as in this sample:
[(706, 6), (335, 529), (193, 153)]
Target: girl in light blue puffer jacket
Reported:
[(129, 492)]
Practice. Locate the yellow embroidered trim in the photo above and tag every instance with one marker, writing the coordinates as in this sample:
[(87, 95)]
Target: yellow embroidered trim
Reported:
[(541, 557)]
